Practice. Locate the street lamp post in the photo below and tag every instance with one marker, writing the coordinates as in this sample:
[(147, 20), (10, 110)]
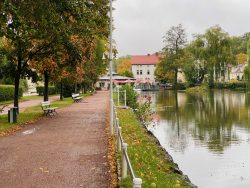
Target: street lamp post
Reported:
[(110, 67)]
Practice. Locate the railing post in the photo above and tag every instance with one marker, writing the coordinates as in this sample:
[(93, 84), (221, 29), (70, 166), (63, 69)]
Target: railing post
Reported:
[(124, 161), (119, 142), (117, 123), (118, 97), (137, 182), (112, 117), (125, 98)]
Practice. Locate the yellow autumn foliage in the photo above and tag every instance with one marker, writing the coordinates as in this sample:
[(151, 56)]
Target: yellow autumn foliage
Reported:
[(123, 66)]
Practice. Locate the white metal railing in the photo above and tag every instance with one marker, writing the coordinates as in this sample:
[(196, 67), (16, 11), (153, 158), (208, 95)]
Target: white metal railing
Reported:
[(118, 91), (122, 147)]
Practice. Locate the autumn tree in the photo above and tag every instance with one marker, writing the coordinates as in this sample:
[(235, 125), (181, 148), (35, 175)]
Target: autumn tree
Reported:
[(123, 66), (46, 29), (241, 58), (29, 33)]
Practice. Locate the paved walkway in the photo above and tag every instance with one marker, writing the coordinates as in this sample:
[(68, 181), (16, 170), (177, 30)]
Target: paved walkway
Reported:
[(25, 104), (66, 151)]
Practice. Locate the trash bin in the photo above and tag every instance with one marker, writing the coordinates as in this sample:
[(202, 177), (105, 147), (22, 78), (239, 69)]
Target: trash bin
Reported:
[(12, 115)]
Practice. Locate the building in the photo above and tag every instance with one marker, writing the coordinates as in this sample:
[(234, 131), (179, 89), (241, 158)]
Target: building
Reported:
[(237, 72), (143, 67), (104, 81)]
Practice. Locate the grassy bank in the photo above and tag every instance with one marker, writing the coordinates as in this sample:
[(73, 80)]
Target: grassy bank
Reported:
[(148, 159), (31, 114)]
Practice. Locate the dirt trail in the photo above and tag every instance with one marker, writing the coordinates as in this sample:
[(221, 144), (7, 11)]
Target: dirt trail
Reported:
[(66, 151)]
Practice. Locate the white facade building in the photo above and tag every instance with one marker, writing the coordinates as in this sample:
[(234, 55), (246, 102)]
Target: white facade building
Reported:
[(143, 67)]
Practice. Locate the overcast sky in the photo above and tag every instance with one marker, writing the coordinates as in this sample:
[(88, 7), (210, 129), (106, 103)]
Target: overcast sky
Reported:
[(141, 24)]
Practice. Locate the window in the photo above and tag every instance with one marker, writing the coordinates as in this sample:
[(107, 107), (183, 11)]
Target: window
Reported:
[(140, 72), (137, 72), (148, 72)]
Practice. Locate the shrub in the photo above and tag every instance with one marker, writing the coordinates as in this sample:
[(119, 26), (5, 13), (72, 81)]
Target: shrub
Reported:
[(181, 86), (7, 92), (40, 90), (144, 112), (197, 90), (131, 96), (24, 85)]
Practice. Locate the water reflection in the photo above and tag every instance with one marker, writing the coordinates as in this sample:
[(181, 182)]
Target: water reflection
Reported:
[(209, 127), (209, 118)]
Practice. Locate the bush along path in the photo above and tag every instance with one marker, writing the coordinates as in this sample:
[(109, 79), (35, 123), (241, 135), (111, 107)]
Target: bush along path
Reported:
[(68, 150), (149, 160)]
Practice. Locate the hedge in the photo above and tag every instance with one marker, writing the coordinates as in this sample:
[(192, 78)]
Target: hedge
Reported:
[(7, 92), (40, 90)]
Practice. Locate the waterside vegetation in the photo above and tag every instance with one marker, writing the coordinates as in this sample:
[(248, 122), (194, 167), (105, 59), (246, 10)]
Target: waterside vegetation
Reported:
[(149, 160)]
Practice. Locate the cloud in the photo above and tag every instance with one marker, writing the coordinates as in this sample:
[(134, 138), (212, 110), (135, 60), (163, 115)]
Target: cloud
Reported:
[(141, 24)]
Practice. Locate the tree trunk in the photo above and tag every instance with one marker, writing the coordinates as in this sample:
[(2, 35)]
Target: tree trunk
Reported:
[(175, 78), (61, 90), (46, 86), (211, 78), (177, 113), (84, 87), (17, 80)]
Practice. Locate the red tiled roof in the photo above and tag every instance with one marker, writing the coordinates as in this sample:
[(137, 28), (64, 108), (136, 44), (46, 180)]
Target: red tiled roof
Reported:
[(145, 59)]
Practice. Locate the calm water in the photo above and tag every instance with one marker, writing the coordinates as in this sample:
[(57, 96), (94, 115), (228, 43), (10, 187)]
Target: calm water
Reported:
[(208, 136)]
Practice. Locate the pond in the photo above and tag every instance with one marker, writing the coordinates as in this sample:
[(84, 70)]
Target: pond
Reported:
[(207, 136)]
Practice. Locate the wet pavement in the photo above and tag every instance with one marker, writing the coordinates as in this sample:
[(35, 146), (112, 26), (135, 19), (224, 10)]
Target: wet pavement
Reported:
[(68, 150)]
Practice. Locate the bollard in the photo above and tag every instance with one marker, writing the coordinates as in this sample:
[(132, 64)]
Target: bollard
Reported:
[(137, 182), (119, 142), (124, 161)]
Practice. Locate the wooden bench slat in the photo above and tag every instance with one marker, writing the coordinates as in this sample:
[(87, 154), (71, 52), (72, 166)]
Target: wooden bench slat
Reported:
[(47, 109), (76, 97)]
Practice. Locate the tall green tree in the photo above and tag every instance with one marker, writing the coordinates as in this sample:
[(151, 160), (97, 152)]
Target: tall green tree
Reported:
[(175, 41), (247, 69), (214, 52)]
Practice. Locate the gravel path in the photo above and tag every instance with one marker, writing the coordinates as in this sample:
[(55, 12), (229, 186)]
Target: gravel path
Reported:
[(66, 151)]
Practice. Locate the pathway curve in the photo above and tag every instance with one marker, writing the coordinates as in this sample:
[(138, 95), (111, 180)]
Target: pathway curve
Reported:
[(66, 151), (25, 104)]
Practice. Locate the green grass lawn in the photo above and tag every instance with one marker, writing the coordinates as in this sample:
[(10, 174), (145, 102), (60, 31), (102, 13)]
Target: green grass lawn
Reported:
[(147, 157), (24, 98), (30, 114)]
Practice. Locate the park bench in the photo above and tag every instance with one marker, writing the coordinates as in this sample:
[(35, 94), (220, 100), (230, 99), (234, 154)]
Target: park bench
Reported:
[(47, 109), (76, 97)]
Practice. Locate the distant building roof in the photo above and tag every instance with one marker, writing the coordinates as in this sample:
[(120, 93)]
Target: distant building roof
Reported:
[(145, 59)]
